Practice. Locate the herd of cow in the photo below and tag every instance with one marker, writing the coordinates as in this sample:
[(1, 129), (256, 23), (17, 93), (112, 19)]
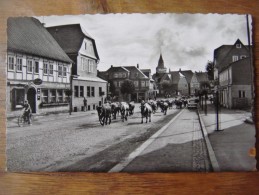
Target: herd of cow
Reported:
[(113, 109)]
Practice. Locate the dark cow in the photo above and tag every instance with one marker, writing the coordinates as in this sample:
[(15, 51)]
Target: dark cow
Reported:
[(164, 107), (131, 108), (104, 113), (170, 103), (115, 109), (146, 110), (124, 111)]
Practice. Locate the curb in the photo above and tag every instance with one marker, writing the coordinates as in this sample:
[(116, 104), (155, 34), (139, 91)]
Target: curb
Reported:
[(212, 156)]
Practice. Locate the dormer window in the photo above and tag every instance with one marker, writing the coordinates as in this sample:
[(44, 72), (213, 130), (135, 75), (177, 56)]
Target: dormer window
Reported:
[(238, 46), (242, 56)]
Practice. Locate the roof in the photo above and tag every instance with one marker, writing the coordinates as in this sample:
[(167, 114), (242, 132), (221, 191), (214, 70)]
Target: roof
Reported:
[(94, 79), (27, 35), (202, 76), (70, 37), (132, 68), (188, 74), (117, 68), (175, 76)]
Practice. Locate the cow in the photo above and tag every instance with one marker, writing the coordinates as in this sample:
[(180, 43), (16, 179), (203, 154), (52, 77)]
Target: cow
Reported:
[(146, 111), (104, 113), (153, 105), (131, 108), (164, 107), (115, 109), (124, 111)]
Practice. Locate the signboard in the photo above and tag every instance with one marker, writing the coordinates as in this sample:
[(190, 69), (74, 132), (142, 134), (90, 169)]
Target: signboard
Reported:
[(37, 81)]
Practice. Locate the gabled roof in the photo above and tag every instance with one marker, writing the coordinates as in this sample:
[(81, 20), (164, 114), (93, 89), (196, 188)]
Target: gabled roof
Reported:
[(117, 68), (27, 35), (188, 74), (175, 77), (70, 37), (134, 68)]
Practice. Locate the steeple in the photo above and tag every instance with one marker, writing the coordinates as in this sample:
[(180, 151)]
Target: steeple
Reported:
[(160, 66)]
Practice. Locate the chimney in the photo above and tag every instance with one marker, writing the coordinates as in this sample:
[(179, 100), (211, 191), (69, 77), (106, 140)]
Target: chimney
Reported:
[(179, 69), (111, 66), (137, 65)]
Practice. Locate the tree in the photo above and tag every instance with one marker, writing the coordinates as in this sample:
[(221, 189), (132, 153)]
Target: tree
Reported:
[(166, 87), (127, 87), (210, 70)]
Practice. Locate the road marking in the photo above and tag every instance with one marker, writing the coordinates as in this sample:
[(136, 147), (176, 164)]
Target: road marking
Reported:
[(120, 166)]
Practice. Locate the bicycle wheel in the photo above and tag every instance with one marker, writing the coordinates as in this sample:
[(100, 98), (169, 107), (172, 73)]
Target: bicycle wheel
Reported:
[(21, 121)]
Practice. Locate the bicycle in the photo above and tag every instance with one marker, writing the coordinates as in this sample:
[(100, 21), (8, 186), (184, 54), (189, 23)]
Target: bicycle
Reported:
[(23, 120)]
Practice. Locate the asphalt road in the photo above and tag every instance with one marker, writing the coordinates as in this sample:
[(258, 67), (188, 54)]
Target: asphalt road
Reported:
[(80, 143)]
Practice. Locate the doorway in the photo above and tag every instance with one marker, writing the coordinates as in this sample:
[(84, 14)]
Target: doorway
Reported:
[(31, 97)]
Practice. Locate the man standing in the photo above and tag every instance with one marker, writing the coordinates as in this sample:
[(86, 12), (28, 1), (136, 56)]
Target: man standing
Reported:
[(85, 104)]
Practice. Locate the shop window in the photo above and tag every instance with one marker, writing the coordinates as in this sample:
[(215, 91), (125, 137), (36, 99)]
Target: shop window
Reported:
[(66, 98), (19, 64), (10, 63), (44, 95), (18, 98), (60, 95), (75, 91), (81, 91), (88, 91), (92, 92), (52, 95)]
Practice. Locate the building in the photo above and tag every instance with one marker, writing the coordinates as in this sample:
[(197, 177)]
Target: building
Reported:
[(116, 75), (234, 75), (198, 82), (81, 48), (37, 68)]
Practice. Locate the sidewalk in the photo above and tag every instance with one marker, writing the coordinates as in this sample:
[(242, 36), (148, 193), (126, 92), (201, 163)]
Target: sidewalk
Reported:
[(231, 146)]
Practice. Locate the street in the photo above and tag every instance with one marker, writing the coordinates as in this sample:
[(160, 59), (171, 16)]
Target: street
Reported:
[(79, 143)]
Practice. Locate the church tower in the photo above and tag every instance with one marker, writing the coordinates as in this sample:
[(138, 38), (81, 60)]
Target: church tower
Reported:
[(161, 67)]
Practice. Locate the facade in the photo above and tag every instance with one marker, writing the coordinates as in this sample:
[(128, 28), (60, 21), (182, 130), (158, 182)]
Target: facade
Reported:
[(81, 48), (198, 82), (234, 75), (38, 70), (118, 74)]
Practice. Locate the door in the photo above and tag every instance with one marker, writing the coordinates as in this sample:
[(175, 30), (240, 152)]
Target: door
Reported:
[(31, 97)]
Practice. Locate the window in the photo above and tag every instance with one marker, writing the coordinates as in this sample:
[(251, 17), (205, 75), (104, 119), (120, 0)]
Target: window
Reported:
[(18, 97), (119, 83), (238, 46), (92, 92), (136, 74), (142, 83), (124, 75), (11, 63), (115, 75), (36, 67), (241, 94), (242, 56), (29, 66), (64, 71), (147, 83), (90, 66), (60, 95), (52, 95), (136, 83), (44, 95), (75, 91), (234, 58), (100, 91), (85, 46), (88, 91), (82, 63), (59, 70), (50, 69), (19, 64), (120, 75), (81, 91), (45, 68)]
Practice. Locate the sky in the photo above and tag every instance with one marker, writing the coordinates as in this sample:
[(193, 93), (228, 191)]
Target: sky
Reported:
[(186, 41)]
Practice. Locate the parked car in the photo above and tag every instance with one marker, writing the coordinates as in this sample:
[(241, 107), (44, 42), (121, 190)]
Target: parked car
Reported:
[(192, 103)]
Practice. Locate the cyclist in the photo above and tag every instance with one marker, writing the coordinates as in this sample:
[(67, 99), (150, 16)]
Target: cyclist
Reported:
[(27, 112)]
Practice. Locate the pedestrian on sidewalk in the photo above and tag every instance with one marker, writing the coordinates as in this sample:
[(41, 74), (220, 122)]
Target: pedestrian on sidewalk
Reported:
[(85, 104)]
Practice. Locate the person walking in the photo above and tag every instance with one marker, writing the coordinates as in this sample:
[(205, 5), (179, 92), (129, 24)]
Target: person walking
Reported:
[(27, 111), (85, 104)]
